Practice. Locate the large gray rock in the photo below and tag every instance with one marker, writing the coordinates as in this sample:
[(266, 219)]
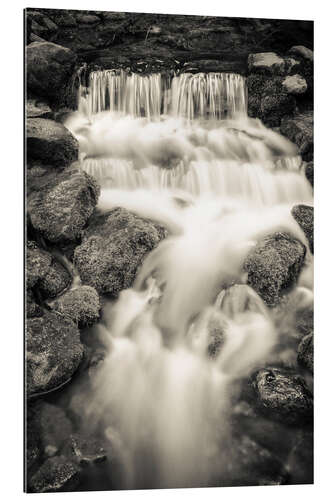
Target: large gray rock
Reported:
[(283, 396), (301, 51), (56, 474), (303, 214), (273, 266), (50, 142), (295, 85), (60, 203), (267, 62), (53, 352), (49, 69), (299, 129), (113, 247), (81, 304)]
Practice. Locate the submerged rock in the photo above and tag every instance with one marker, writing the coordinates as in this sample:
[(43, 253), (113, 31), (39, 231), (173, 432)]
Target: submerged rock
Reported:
[(266, 62), (80, 304), (50, 142), (60, 203), (295, 85), (283, 396), (49, 68), (113, 247), (299, 129), (303, 214), (56, 474), (273, 266), (305, 352), (53, 352)]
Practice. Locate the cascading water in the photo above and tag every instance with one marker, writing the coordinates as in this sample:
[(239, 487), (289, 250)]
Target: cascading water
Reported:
[(181, 150)]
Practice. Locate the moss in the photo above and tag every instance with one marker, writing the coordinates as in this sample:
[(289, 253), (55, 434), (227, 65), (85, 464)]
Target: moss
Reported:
[(81, 305)]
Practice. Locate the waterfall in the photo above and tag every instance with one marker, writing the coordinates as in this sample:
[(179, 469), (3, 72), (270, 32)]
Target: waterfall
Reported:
[(180, 150), (215, 95)]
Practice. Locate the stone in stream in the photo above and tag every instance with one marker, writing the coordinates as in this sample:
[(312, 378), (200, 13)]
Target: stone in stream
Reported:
[(60, 203), (267, 63), (113, 247), (50, 142), (273, 266), (49, 68), (85, 449), (295, 85), (282, 396), (53, 352), (303, 214), (56, 474), (299, 129), (305, 352), (81, 304)]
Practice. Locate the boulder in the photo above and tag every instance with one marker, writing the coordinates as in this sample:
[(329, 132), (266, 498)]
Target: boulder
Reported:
[(301, 51), (292, 65), (282, 396), (53, 352), (38, 262), (305, 352), (60, 203), (300, 462), (295, 85), (80, 304), (303, 214), (55, 281), (49, 68), (48, 426), (273, 266), (85, 449), (37, 109), (299, 129), (50, 142), (56, 474), (266, 62), (113, 247)]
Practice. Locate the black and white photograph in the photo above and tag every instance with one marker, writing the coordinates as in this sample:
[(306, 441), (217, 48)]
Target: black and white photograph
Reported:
[(169, 250)]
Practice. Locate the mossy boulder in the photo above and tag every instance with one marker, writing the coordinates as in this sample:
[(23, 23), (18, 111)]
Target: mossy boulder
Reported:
[(267, 63), (49, 69), (81, 304), (294, 85), (303, 214), (299, 129), (38, 262), (113, 247), (50, 143), (273, 266), (55, 281), (305, 352), (60, 203), (53, 352), (56, 474), (282, 396)]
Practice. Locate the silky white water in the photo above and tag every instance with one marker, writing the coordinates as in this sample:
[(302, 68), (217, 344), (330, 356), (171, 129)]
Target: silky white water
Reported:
[(183, 152)]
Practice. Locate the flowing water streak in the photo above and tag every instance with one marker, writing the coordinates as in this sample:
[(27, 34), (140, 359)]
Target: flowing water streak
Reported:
[(218, 182)]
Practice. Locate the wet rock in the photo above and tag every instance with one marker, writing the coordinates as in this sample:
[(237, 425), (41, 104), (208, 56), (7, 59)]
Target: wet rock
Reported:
[(303, 214), (53, 352), (37, 109), (305, 352), (251, 464), (56, 474), (283, 396), (301, 51), (295, 85), (49, 68), (300, 461), (50, 142), (33, 310), (47, 426), (266, 62), (55, 281), (113, 247), (86, 450), (309, 172), (60, 203), (299, 129), (80, 304), (38, 262), (273, 266), (216, 339)]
